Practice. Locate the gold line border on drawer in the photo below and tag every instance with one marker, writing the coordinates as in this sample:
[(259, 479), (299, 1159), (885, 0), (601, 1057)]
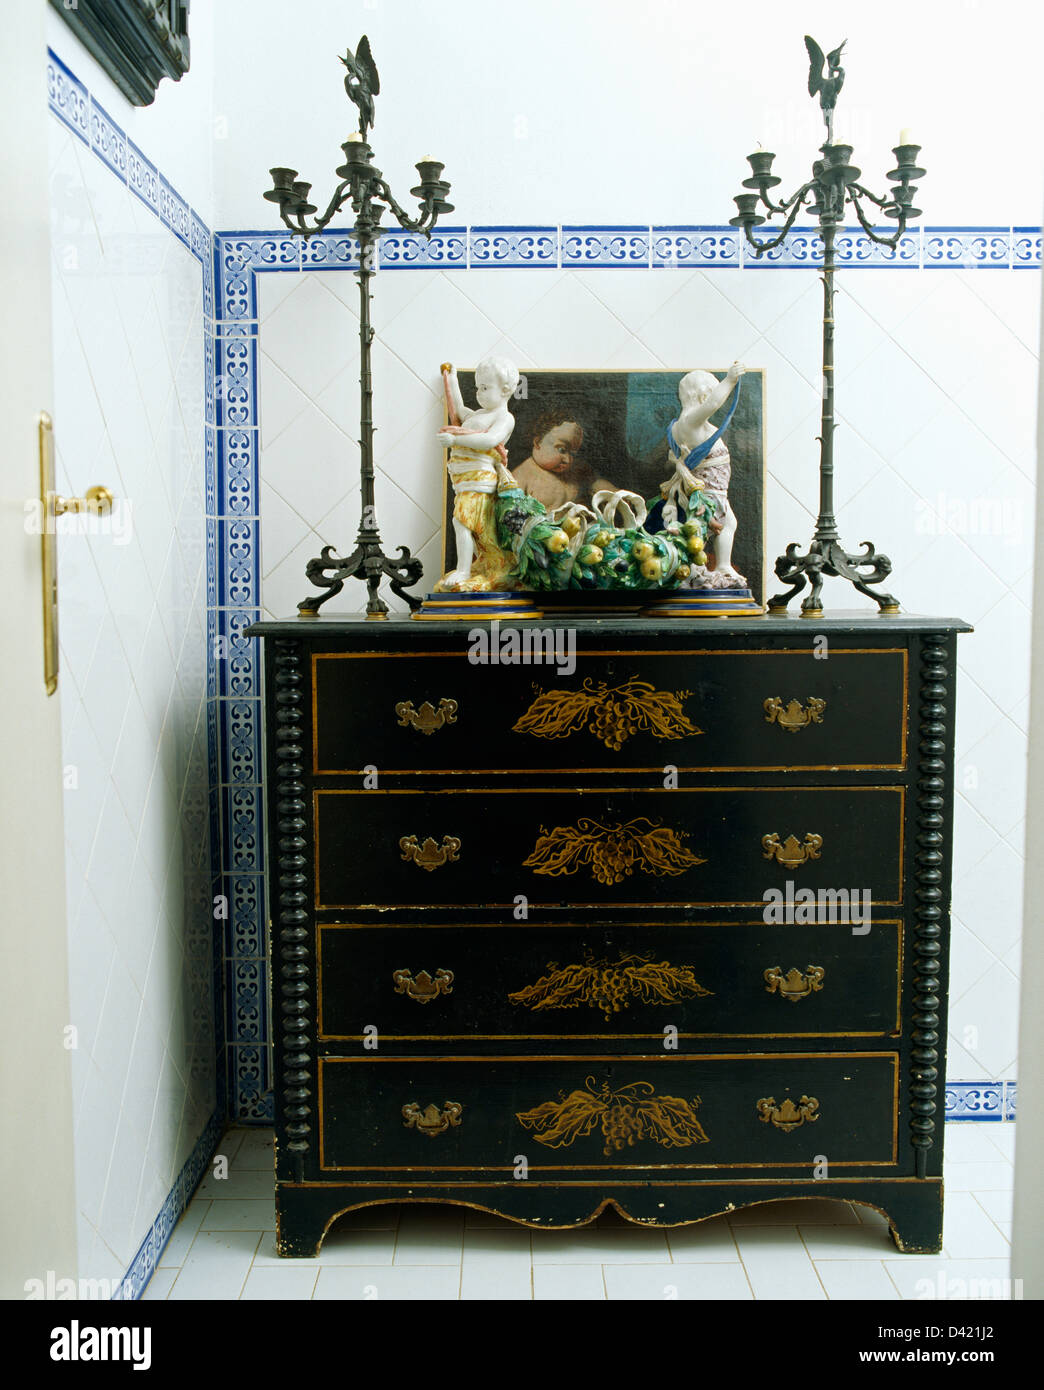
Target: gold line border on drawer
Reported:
[(644, 651), (894, 1032), (587, 1059), (676, 792)]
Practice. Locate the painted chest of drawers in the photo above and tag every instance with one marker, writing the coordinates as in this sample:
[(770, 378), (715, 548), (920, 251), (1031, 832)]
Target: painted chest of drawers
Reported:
[(656, 917)]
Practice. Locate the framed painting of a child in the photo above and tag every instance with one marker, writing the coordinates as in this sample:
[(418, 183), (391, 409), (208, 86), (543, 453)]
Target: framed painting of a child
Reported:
[(580, 433)]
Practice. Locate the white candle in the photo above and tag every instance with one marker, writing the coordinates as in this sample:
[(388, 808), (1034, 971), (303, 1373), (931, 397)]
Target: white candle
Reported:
[(906, 137)]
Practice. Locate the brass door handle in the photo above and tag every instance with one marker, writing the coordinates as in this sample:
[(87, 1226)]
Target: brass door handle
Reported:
[(97, 501)]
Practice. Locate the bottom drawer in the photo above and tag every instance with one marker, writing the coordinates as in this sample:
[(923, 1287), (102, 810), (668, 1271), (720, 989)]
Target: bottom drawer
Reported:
[(465, 1115)]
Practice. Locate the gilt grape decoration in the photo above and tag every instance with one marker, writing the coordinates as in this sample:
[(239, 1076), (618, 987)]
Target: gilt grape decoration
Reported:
[(612, 852), (610, 986), (626, 1115), (612, 713)]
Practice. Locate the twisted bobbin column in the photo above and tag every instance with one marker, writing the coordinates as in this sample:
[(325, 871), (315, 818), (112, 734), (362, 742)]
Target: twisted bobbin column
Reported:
[(931, 894), (291, 916)]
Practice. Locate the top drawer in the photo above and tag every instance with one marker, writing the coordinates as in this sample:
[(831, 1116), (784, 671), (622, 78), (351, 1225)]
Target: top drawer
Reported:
[(767, 710)]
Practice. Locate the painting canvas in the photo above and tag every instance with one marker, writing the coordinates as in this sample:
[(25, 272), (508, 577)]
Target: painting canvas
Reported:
[(579, 432)]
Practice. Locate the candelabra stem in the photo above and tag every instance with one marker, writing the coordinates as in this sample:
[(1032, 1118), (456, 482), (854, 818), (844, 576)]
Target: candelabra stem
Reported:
[(826, 526)]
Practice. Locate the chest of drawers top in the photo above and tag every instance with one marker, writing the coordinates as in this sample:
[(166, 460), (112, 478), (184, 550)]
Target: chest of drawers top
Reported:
[(586, 696)]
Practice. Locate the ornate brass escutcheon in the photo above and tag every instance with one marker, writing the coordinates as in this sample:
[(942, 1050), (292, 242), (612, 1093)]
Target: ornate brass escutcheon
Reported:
[(788, 1116), (794, 715), (793, 985), (791, 853), (425, 987), (426, 719), (431, 1120), (430, 855)]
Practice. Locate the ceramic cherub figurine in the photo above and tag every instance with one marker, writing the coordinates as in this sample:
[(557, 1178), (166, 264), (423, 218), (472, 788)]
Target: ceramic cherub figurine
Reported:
[(701, 463), (476, 441)]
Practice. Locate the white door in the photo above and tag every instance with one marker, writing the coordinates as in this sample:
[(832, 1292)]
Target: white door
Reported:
[(37, 1194)]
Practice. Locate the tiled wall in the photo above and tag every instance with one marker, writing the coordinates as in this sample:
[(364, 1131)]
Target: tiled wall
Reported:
[(937, 370), (129, 263)]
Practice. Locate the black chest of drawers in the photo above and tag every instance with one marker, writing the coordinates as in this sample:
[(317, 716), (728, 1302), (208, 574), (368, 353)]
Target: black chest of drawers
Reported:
[(667, 929)]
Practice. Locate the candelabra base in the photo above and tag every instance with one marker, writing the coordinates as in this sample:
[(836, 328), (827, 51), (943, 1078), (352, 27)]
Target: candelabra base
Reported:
[(705, 603), (477, 607), (827, 558), (369, 563)]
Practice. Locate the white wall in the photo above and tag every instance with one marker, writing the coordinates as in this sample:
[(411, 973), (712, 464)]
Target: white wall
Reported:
[(608, 110), (129, 391)]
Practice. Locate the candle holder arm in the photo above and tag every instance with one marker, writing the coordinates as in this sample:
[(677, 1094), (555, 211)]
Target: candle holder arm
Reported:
[(893, 239), (796, 204)]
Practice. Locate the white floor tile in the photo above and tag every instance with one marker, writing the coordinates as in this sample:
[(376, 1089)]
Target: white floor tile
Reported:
[(998, 1207), (256, 1149), (848, 1242), (931, 1278), (601, 1245), (569, 1282), (429, 1236), (703, 1282), (968, 1233), (777, 1263), (240, 1182), (241, 1214), (158, 1286), (496, 1250), (706, 1242), (856, 1279), (375, 1282), (508, 1284), (184, 1233), (289, 1283), (217, 1265)]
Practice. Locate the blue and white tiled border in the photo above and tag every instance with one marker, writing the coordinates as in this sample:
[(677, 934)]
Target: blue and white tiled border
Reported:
[(230, 263)]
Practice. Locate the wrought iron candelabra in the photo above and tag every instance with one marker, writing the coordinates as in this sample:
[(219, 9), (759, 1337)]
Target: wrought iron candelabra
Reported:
[(834, 183), (363, 186)]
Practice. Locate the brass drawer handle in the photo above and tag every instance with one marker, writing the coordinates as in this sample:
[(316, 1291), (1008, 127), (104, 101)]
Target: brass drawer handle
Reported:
[(793, 985), (788, 1116), (431, 1120), (429, 855), (791, 852), (794, 715), (426, 719), (425, 987)]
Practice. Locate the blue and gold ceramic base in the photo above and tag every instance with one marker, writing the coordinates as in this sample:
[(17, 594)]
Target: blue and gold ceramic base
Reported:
[(705, 603), (477, 608)]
